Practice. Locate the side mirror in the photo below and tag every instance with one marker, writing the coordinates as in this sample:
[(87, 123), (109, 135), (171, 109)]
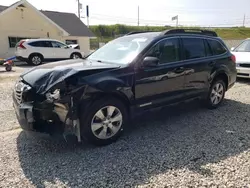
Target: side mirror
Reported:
[(232, 49), (150, 61)]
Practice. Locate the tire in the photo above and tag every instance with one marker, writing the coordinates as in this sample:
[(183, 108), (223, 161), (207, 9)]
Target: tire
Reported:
[(216, 94), (75, 56), (35, 59), (8, 68), (96, 134)]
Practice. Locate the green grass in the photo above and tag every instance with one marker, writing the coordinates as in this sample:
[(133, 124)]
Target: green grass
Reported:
[(234, 33)]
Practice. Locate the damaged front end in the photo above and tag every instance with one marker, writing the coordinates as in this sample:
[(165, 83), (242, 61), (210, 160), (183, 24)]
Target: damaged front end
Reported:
[(55, 112), (47, 98)]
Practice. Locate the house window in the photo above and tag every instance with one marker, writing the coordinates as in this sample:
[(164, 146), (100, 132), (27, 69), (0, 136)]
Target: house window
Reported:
[(68, 42), (14, 40)]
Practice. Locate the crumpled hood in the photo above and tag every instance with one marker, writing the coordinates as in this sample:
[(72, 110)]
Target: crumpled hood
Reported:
[(43, 77), (242, 57)]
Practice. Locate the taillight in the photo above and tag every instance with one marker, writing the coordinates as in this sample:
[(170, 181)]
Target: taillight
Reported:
[(233, 58), (21, 45)]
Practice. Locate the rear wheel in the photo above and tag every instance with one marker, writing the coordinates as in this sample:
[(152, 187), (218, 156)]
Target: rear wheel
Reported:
[(216, 94), (35, 59), (104, 121)]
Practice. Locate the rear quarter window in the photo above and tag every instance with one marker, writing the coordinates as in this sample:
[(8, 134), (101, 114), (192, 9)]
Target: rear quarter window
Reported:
[(216, 47)]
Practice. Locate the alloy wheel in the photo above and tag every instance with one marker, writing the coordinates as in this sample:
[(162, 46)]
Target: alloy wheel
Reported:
[(75, 56), (106, 122), (36, 60), (217, 93)]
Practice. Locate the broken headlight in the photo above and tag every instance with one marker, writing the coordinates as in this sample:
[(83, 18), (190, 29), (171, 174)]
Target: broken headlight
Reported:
[(55, 95)]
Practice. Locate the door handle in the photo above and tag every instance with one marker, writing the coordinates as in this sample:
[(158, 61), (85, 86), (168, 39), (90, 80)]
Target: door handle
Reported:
[(179, 70), (212, 63)]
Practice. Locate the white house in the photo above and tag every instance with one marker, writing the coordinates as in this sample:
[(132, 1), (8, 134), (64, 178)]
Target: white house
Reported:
[(22, 20)]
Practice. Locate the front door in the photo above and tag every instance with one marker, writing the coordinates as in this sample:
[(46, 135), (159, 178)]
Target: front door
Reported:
[(45, 48), (61, 51), (162, 84)]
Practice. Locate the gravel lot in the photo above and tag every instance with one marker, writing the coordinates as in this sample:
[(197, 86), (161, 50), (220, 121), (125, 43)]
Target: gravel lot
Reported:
[(171, 148)]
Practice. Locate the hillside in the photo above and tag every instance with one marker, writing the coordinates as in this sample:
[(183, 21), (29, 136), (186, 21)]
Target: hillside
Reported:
[(106, 33)]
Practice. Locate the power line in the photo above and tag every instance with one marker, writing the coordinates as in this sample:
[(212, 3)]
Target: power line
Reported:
[(156, 22), (141, 19)]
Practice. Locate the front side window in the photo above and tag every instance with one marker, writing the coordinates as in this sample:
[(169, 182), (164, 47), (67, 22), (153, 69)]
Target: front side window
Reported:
[(56, 44), (243, 47), (193, 48), (121, 50), (216, 47), (166, 51), (68, 42)]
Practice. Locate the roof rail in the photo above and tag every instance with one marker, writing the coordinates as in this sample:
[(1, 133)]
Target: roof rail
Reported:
[(136, 32), (190, 31)]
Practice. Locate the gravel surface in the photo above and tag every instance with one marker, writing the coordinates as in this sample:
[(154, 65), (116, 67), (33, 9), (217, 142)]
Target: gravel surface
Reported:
[(184, 146)]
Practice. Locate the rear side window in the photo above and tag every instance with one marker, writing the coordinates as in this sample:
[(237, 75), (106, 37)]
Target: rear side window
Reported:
[(36, 44), (193, 48), (217, 47), (44, 44)]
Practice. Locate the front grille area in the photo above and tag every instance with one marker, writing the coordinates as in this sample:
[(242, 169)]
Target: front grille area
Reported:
[(18, 91), (247, 65), (18, 95)]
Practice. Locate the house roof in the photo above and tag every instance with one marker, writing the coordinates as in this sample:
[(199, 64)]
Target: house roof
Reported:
[(67, 21), (2, 8)]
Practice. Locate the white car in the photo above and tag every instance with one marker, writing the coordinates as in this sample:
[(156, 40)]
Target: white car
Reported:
[(242, 54), (36, 51)]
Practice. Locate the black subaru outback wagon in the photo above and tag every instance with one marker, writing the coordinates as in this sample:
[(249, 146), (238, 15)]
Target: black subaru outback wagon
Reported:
[(93, 98)]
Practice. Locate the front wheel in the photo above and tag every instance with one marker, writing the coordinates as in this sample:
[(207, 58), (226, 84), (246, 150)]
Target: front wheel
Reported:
[(216, 94), (76, 56), (104, 121)]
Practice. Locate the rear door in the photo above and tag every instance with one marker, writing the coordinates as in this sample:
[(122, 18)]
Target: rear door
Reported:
[(42, 47), (198, 65)]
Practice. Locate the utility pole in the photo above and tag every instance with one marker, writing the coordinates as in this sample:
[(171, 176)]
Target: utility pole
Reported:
[(78, 9), (138, 23), (177, 21), (244, 20), (87, 13)]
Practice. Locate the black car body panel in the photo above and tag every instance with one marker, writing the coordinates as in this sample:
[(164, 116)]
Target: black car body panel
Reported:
[(46, 76), (82, 81)]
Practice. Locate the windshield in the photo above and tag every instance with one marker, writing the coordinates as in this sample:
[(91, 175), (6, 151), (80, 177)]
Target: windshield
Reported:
[(122, 50), (243, 47)]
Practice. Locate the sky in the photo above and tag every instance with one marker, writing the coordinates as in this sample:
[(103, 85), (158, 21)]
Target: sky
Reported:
[(208, 13)]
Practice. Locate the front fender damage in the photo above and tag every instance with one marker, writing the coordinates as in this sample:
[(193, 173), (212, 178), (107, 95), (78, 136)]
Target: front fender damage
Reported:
[(66, 109), (63, 93)]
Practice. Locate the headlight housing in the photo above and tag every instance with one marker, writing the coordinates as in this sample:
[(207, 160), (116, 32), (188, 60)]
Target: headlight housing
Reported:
[(55, 95)]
